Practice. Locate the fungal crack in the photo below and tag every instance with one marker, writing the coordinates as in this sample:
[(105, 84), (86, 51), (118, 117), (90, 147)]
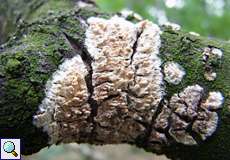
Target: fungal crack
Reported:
[(149, 127), (135, 46), (132, 55), (88, 60)]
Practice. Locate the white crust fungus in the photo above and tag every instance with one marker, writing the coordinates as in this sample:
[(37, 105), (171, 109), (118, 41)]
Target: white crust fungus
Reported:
[(173, 26), (127, 89), (188, 107), (194, 34), (82, 4), (211, 55), (127, 13), (162, 120), (214, 101), (127, 78), (173, 72), (210, 76), (65, 102), (205, 124)]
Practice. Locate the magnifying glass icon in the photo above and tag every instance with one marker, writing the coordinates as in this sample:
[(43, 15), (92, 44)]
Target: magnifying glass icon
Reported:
[(9, 147)]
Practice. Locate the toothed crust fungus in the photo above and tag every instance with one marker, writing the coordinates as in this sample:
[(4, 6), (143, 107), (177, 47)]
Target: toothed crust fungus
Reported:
[(127, 78), (173, 72), (64, 111), (118, 95), (189, 109)]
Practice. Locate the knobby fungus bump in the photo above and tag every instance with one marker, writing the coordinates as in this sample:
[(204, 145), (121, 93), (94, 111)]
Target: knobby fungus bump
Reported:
[(212, 57), (173, 72)]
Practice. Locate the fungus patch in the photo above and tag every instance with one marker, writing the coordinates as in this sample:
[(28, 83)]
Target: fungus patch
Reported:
[(212, 58), (173, 26), (124, 80), (64, 112), (127, 14), (214, 101), (127, 78), (189, 109), (194, 34), (173, 72), (119, 95)]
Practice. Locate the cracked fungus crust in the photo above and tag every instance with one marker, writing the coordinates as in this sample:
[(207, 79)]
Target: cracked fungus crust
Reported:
[(109, 99), (115, 93), (192, 113), (127, 77)]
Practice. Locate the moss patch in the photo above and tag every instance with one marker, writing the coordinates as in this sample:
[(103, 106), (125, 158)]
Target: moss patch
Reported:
[(187, 50), (26, 63)]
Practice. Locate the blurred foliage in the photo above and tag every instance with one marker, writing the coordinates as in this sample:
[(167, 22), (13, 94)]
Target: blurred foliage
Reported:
[(207, 17)]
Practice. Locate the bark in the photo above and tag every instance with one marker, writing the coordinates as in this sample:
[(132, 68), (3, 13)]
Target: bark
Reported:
[(37, 48)]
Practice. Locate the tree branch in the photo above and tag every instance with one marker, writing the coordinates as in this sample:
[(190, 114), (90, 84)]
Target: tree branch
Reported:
[(115, 104)]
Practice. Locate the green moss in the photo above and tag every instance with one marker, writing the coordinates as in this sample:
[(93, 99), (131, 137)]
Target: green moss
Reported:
[(25, 65), (187, 50), (52, 6), (12, 65)]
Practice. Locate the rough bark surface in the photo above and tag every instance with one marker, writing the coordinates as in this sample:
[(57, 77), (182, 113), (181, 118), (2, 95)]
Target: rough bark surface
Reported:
[(33, 54)]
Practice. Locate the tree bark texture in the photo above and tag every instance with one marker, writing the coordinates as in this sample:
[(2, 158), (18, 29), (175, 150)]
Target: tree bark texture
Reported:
[(34, 52)]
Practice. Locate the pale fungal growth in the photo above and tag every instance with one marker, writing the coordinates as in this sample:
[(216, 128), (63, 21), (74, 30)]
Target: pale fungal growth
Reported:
[(214, 101), (217, 52), (210, 76), (186, 103), (173, 26), (188, 108), (162, 120), (194, 34), (205, 124), (178, 131), (82, 4), (110, 98), (211, 57), (173, 72), (126, 13), (212, 53), (65, 103), (127, 78), (117, 93)]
